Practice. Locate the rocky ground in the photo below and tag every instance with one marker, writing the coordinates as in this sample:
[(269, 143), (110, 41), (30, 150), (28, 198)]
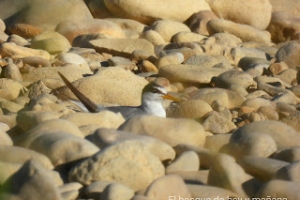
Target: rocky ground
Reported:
[(234, 65)]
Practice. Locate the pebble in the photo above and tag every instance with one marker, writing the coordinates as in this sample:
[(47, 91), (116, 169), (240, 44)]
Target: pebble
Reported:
[(36, 182), (288, 54), (263, 169), (117, 191), (156, 10), (104, 137), (227, 174), (9, 49), (256, 13), (51, 42), (279, 189), (288, 155), (197, 22), (165, 128), (18, 40), (187, 161), (245, 32), (107, 164), (176, 188)]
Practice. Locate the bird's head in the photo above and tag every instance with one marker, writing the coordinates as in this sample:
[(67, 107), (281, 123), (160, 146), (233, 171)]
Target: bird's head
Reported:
[(155, 92)]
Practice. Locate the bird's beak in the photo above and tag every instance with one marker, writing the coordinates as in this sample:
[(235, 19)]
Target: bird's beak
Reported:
[(167, 96)]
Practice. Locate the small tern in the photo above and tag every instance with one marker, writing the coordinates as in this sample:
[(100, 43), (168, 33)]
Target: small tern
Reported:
[(152, 97)]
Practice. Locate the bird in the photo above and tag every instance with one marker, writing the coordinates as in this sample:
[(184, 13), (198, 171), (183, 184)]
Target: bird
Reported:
[(151, 101)]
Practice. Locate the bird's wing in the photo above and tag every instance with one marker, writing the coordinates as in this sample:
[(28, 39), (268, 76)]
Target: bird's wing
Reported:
[(90, 106), (126, 111)]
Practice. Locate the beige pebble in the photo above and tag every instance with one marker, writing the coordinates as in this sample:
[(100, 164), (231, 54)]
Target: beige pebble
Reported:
[(215, 123), (289, 172), (147, 66), (171, 131), (288, 54), (192, 108), (9, 49), (187, 161), (176, 188), (186, 36), (227, 174), (153, 36), (142, 167), (289, 155), (117, 191), (216, 142), (197, 22), (104, 137), (263, 169), (35, 181), (18, 40), (210, 192), (279, 189), (245, 32)]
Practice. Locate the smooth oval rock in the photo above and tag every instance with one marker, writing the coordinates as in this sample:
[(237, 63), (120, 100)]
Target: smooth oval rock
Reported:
[(171, 131), (289, 54), (279, 131), (108, 164), (104, 137), (245, 32), (176, 189), (73, 28), (256, 13), (156, 10)]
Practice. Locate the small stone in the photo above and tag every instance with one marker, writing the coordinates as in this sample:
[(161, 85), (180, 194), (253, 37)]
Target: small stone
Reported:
[(289, 54), (9, 49), (171, 131), (153, 36), (263, 169), (288, 155), (208, 61), (170, 59), (210, 192), (176, 188), (124, 63), (192, 108), (283, 26), (227, 98), (18, 155), (256, 13), (36, 61), (10, 89), (25, 30), (72, 28), (187, 161), (280, 132), (62, 147), (245, 32), (186, 36), (95, 189), (51, 42), (289, 172), (142, 167), (216, 142), (5, 139), (225, 39), (256, 144), (104, 137), (70, 191), (279, 189), (147, 66), (18, 40), (156, 10), (189, 73), (215, 123), (104, 119), (227, 174), (117, 191), (11, 71), (35, 182), (167, 28), (197, 22)]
